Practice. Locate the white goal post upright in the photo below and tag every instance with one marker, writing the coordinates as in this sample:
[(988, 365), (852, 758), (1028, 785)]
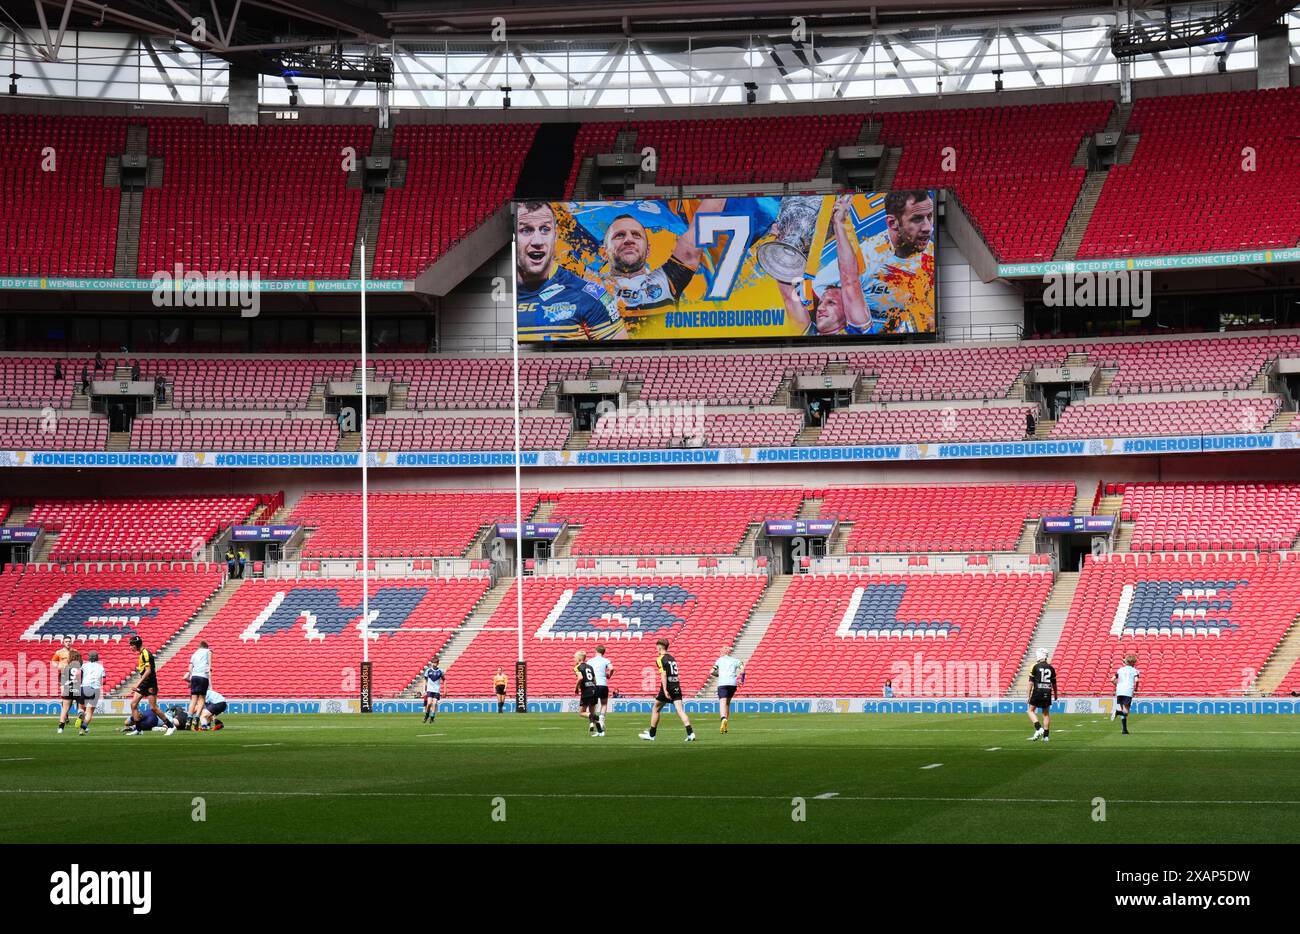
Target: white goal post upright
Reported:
[(365, 493), (519, 496)]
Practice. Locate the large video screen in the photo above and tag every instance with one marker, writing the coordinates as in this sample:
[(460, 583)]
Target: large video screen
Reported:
[(829, 266)]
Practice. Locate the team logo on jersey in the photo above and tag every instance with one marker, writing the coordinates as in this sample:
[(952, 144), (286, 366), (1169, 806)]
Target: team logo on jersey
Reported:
[(875, 610), (99, 614), (560, 311), (322, 613), (551, 291), (606, 612), (1156, 607)]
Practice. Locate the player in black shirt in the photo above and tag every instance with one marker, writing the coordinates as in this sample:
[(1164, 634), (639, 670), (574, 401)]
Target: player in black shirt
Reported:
[(147, 687), (670, 693), (588, 701), (1042, 691)]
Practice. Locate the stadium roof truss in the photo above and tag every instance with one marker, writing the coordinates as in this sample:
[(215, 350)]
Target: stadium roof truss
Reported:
[(1043, 50)]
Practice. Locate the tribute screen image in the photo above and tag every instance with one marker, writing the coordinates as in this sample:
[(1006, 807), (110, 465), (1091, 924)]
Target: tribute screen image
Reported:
[(828, 266)]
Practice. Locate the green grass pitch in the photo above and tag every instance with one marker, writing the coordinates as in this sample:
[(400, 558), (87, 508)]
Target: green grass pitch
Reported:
[(902, 778)]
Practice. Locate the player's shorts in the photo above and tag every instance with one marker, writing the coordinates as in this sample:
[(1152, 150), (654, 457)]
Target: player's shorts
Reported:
[(198, 685), (436, 695), (602, 693), (215, 709), (148, 687), (1123, 700), (589, 699), (1041, 699), (726, 691), (90, 696), (501, 690), (69, 691), (673, 695)]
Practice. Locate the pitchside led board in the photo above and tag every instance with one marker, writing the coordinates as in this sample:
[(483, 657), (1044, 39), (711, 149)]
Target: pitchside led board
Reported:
[(853, 265)]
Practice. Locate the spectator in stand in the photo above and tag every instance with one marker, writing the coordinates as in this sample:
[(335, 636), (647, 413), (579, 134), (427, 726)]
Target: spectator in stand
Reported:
[(99, 362), (243, 561), (160, 388), (58, 370), (85, 380), (1031, 423), (232, 563), (135, 371), (889, 689)]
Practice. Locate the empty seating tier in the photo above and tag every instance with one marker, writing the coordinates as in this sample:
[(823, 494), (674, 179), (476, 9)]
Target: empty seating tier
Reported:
[(57, 217), (1212, 172), (845, 635), (1199, 624), (270, 200), (943, 518), (64, 433), (100, 608), (303, 638), (138, 528), (415, 524), (490, 433), (669, 521), (1173, 417), (1211, 516)]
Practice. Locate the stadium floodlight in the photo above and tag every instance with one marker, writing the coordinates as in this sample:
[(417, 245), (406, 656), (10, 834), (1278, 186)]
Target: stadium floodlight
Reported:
[(751, 92), (505, 89), (13, 82), (997, 79), (293, 93)]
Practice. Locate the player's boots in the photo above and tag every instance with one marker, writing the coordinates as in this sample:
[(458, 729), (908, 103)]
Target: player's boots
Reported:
[(1038, 734), (722, 727), (645, 734)]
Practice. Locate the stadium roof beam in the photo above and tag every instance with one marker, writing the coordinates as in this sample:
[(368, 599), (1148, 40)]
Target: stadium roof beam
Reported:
[(1239, 19)]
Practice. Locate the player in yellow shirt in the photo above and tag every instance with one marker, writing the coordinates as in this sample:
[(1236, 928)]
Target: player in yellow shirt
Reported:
[(499, 688)]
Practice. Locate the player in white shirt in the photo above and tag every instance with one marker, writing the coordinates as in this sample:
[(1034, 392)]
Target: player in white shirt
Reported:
[(1126, 682), (731, 672), (603, 669), (92, 686), (199, 676), (214, 705)]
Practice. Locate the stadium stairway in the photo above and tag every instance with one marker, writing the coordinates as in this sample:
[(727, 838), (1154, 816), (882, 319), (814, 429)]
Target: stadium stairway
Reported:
[(1048, 630), (1028, 543), (17, 516), (465, 633), (183, 636), (751, 634), (1284, 657)]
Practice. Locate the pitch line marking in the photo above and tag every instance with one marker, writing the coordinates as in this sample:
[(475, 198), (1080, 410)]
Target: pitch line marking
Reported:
[(993, 749), (430, 734), (19, 759), (827, 796), (256, 745), (950, 799), (933, 765)]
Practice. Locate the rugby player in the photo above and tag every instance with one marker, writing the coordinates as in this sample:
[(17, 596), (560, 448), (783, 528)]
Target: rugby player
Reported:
[(670, 693), (586, 691), (892, 281), (603, 668), (147, 687), (92, 686), (839, 307), (1042, 691), (730, 671), (434, 679), (499, 688), (640, 288), (554, 303), (1126, 681), (198, 676), (69, 682)]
